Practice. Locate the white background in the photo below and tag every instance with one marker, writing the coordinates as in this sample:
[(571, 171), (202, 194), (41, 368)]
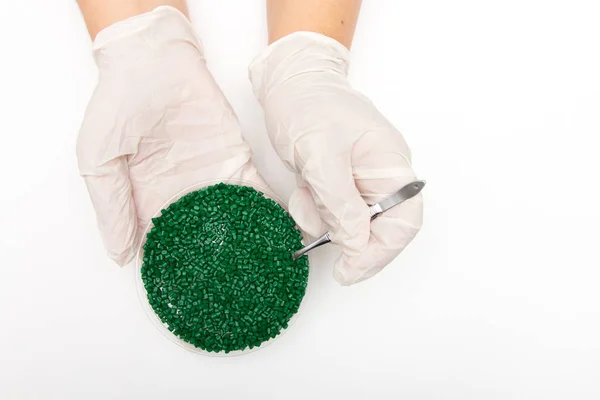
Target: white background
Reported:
[(497, 298)]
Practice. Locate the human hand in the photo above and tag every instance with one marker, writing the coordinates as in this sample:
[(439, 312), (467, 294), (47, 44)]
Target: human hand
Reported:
[(156, 124), (345, 153)]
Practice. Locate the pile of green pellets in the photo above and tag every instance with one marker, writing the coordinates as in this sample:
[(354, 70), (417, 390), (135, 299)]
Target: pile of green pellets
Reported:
[(218, 268)]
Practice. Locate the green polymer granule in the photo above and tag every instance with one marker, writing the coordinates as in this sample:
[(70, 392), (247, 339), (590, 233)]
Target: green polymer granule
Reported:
[(218, 268)]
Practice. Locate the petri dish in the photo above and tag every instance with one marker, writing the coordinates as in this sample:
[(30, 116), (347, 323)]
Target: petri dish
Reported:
[(143, 295)]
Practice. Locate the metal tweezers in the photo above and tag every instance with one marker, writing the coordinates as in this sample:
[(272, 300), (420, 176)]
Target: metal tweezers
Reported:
[(407, 192)]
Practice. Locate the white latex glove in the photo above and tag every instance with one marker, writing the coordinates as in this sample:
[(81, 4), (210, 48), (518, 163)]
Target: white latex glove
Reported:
[(156, 124), (345, 153)]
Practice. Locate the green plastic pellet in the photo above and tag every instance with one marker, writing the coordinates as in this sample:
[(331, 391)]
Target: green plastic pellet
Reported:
[(218, 270)]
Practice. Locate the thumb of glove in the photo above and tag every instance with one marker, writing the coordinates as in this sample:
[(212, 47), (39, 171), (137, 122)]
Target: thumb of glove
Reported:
[(110, 191), (103, 165)]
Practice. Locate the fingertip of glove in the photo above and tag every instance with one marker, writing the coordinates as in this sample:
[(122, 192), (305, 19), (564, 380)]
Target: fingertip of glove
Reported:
[(124, 258), (347, 275)]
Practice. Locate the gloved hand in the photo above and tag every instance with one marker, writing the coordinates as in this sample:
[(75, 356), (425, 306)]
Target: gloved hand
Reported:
[(345, 153), (156, 124)]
